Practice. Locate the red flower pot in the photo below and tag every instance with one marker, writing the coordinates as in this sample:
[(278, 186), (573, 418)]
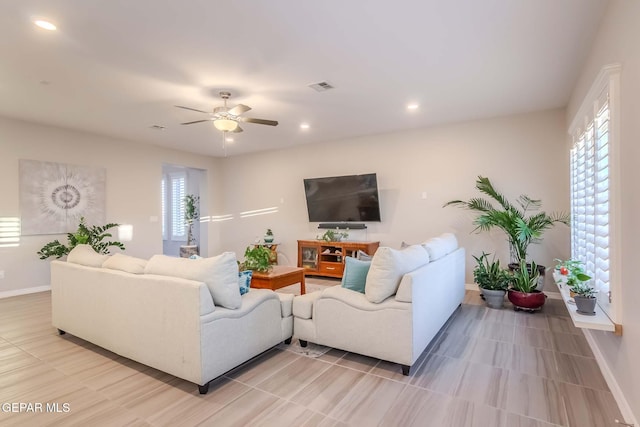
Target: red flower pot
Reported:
[(526, 300)]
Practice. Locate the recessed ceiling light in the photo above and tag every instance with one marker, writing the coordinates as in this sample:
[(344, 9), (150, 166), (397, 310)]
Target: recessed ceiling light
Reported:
[(412, 106), (304, 126), (45, 25)]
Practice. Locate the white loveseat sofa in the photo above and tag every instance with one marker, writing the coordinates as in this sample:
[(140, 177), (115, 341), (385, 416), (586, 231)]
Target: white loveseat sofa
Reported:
[(409, 295), (149, 312)]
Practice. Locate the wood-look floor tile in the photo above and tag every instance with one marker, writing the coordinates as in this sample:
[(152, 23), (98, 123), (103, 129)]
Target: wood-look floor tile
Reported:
[(484, 384), (439, 373), (14, 358), (288, 414), (587, 407), (571, 344), (417, 407), (327, 390), (533, 337), (103, 375), (497, 331), (515, 420), (490, 352), (504, 316), (555, 307), (299, 373), (393, 371), (358, 362), (263, 366), (367, 402), (533, 361), (532, 320), (454, 345), (136, 389), (244, 411), (332, 356), (536, 397), (462, 413), (580, 370), (466, 324), (562, 324), (27, 378)]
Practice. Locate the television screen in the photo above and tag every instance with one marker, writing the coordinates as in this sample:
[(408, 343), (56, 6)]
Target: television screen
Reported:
[(343, 198)]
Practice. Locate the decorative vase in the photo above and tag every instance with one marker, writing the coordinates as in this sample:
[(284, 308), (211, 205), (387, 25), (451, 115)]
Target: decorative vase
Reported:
[(585, 305), (494, 299), (268, 238), (530, 301)]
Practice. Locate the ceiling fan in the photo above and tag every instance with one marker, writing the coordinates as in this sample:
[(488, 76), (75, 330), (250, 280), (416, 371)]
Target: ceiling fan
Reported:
[(228, 119)]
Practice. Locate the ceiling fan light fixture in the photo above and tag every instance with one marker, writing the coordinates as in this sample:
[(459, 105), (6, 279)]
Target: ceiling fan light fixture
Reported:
[(225, 125)]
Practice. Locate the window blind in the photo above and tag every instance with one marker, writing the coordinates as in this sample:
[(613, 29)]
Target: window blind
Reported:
[(163, 196), (590, 195), (178, 192)]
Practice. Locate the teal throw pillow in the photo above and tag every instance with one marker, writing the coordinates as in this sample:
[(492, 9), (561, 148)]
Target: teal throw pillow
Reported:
[(244, 281), (355, 274)]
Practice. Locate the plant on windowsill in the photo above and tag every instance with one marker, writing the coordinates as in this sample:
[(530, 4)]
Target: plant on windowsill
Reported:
[(521, 226), (583, 294), (492, 280), (256, 258), (85, 235), (523, 293)]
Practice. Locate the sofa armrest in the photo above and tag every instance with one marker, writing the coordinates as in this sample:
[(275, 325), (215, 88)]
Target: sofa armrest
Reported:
[(286, 304), (303, 304), (359, 301)]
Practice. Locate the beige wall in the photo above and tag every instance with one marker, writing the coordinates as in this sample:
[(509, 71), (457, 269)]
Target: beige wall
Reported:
[(521, 154), (132, 190), (617, 42)]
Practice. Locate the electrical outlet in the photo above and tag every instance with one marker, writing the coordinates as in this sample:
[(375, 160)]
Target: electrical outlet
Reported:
[(1, 274)]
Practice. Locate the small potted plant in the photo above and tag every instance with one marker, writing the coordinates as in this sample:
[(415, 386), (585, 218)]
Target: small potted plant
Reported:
[(268, 236), (523, 293), (585, 297), (191, 214), (257, 258), (492, 280), (333, 236)]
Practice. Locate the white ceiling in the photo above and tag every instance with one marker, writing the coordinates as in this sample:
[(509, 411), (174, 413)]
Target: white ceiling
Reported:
[(117, 67)]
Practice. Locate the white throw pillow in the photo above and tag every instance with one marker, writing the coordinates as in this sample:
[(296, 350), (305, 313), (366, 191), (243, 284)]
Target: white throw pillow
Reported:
[(125, 263), (220, 273), (387, 268), (86, 255), (441, 245)]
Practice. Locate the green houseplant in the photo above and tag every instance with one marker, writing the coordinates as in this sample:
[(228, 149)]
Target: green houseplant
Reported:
[(334, 236), (85, 235), (492, 279), (523, 293), (518, 221), (256, 258), (191, 214), (583, 294)]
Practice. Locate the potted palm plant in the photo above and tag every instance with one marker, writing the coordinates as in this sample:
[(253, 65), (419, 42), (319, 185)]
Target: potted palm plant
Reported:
[(492, 280), (523, 293), (521, 222), (191, 214)]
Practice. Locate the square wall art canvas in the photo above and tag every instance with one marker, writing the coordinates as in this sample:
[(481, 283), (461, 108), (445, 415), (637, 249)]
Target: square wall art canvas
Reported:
[(54, 196)]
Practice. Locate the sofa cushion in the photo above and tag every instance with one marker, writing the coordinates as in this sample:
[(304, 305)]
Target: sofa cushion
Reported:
[(126, 263), (244, 281), (286, 304), (220, 273), (355, 274), (387, 268), (441, 245), (363, 256), (86, 255)]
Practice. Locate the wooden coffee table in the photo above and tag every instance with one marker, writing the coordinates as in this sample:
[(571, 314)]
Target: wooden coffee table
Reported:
[(279, 277)]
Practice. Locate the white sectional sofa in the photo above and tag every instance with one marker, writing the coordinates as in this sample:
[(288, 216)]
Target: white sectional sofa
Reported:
[(168, 313), (409, 295)]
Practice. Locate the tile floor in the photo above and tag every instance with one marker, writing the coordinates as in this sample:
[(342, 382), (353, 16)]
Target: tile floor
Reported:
[(486, 368)]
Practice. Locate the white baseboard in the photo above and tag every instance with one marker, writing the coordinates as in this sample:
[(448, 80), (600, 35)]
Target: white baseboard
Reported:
[(15, 293), (625, 409)]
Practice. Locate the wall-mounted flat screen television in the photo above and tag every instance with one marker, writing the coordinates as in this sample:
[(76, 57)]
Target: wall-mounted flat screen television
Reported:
[(343, 198)]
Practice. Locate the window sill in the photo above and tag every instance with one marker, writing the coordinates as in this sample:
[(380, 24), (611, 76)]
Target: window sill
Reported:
[(600, 321)]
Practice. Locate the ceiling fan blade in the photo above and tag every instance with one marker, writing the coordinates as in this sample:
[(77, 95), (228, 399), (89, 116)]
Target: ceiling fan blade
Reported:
[(192, 109), (197, 121), (239, 109), (258, 121), (237, 130)]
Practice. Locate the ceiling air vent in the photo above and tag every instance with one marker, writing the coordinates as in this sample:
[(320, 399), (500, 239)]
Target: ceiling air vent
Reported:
[(321, 86)]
